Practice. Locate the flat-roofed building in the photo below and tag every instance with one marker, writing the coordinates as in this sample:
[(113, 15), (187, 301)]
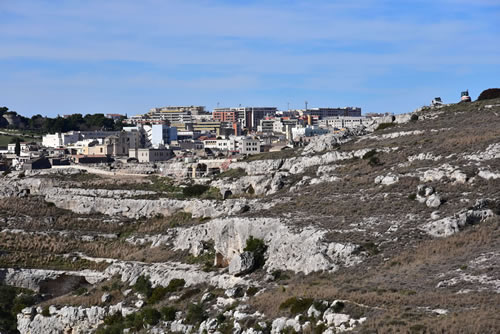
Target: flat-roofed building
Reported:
[(249, 117), (332, 112), (151, 154)]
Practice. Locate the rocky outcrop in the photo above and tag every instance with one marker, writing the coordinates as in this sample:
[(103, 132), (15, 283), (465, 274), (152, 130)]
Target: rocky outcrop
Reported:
[(331, 140), (387, 179), (299, 251), (67, 319), (33, 278), (163, 273), (491, 152), (298, 165), (451, 225), (242, 264), (444, 171)]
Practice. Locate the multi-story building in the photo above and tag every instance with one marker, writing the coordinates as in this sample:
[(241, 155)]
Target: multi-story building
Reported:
[(176, 114), (267, 125), (249, 145), (343, 122), (332, 112), (59, 139), (243, 145), (116, 145), (225, 115), (248, 117)]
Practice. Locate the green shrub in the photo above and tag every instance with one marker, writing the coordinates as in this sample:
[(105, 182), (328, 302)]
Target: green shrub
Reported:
[(176, 284), (491, 93), (412, 196), (234, 173), (168, 313), (190, 293), (374, 161), (46, 312), (296, 305), (369, 154), (151, 316), (195, 314), (414, 118), (157, 295), (280, 275), (338, 307), (251, 291), (143, 286), (80, 291), (12, 301), (159, 292), (370, 248), (318, 305), (195, 190), (258, 248), (383, 126)]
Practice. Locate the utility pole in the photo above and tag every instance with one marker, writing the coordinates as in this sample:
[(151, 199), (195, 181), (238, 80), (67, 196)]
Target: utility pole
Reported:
[(306, 105)]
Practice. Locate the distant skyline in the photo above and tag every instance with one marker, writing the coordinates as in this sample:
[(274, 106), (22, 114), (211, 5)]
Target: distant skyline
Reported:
[(119, 56)]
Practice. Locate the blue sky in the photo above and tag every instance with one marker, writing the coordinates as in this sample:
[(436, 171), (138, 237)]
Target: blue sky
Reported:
[(119, 56)]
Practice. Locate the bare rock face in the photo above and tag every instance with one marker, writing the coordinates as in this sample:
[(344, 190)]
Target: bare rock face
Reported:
[(444, 171), (163, 273), (33, 278), (242, 264), (451, 225), (331, 140), (68, 319), (299, 251)]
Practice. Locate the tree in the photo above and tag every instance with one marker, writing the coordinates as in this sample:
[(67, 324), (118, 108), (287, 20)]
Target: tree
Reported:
[(17, 149), (491, 93)]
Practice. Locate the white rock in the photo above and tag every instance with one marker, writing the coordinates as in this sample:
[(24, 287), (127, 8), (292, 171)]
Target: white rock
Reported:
[(387, 179), (302, 250), (105, 298), (336, 319), (433, 201)]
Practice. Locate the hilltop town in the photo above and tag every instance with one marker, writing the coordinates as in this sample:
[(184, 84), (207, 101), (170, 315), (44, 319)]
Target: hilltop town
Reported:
[(181, 133)]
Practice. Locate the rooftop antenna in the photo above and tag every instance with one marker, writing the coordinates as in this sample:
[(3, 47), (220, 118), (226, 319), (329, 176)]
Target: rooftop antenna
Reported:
[(288, 106), (306, 105), (217, 104)]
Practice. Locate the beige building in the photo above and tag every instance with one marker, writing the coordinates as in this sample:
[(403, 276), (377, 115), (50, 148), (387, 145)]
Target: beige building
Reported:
[(151, 154), (116, 145)]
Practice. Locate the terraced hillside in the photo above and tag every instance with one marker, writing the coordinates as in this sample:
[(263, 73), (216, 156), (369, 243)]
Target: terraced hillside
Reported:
[(394, 228)]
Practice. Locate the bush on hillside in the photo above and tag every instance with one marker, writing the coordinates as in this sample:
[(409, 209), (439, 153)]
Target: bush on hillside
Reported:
[(195, 190), (383, 126), (491, 93), (258, 248)]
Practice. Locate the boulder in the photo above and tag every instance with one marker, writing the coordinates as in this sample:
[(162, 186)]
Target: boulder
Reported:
[(242, 264), (106, 298), (387, 179), (433, 201)]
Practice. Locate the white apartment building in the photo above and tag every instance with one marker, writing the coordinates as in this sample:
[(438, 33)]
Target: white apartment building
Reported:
[(60, 139), (243, 145), (343, 122)]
